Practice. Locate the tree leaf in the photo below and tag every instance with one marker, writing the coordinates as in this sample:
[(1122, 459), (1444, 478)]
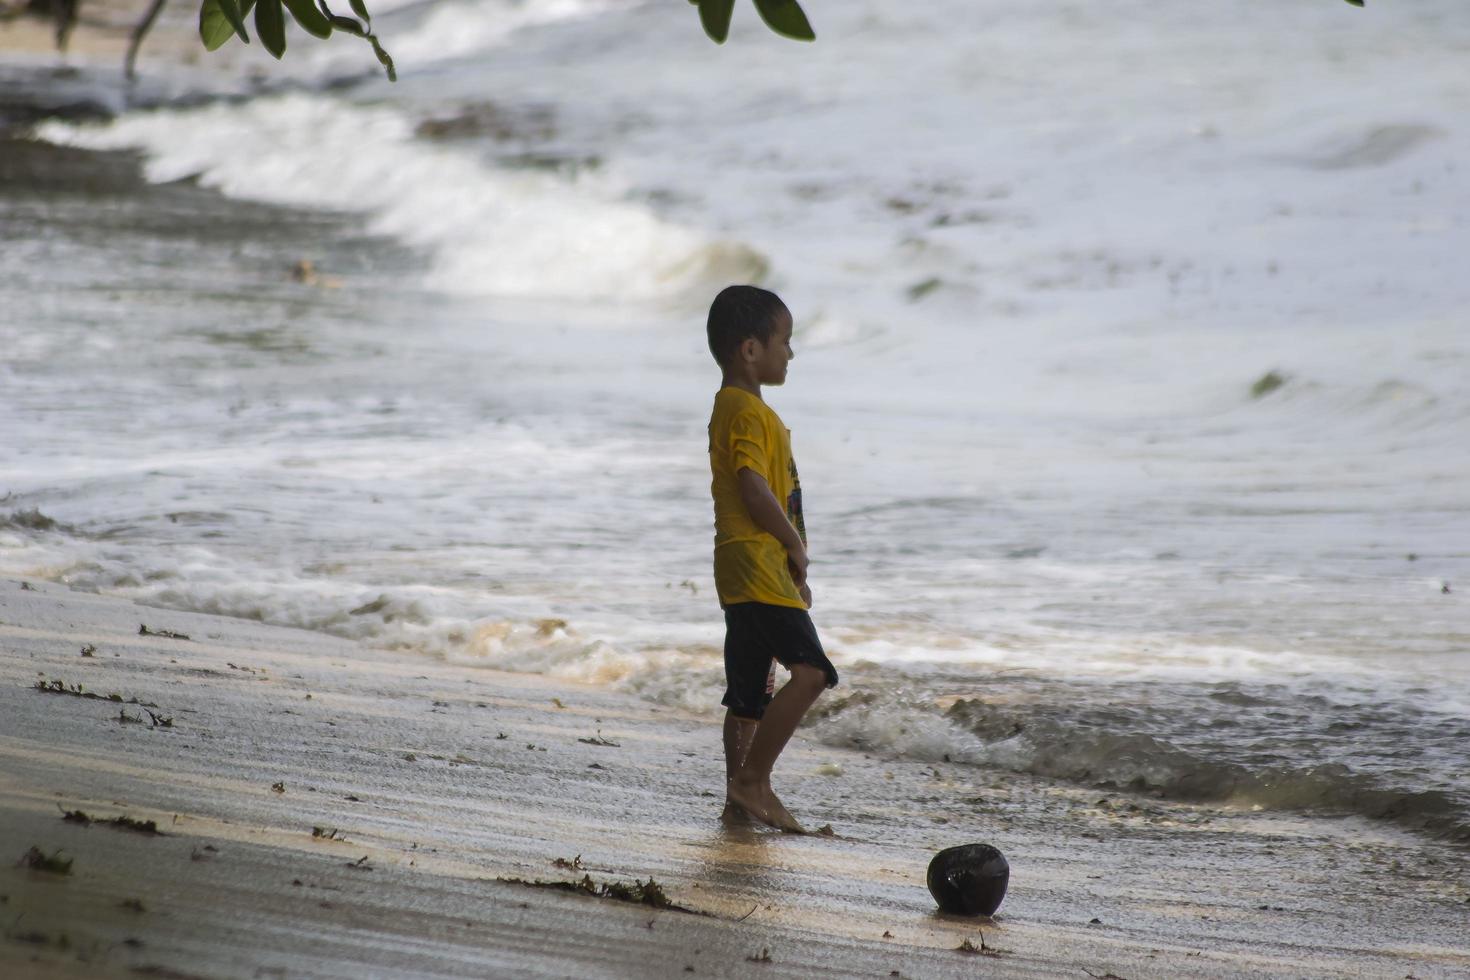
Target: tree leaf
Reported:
[(786, 18), (360, 9), (383, 58), (242, 7), (312, 20), (270, 26), (218, 19), (715, 16), (348, 25), (214, 30)]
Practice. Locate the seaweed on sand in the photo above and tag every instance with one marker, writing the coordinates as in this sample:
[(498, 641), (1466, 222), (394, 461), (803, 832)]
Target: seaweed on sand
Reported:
[(38, 860), (143, 630), (640, 892), (136, 826), (984, 949), (149, 827), (77, 691)]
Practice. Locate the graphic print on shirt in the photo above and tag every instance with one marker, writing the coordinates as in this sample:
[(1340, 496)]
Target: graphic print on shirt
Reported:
[(793, 503)]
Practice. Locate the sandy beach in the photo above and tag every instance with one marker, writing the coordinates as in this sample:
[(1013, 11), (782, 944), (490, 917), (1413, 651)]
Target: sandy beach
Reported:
[(1161, 480), (328, 809)]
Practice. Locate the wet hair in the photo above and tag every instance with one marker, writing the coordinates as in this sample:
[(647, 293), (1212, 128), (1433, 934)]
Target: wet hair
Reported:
[(739, 313)]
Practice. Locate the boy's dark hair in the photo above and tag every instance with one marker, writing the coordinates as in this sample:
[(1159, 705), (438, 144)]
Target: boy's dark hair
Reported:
[(738, 313)]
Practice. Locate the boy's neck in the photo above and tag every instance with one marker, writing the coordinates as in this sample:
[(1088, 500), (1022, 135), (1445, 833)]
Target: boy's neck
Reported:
[(733, 379)]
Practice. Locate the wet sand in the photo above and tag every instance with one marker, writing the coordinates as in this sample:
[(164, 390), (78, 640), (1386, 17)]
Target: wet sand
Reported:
[(331, 810)]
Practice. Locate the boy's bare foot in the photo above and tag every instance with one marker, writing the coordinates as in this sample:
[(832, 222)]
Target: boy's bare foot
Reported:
[(760, 802), (734, 813), (748, 797), (781, 817)]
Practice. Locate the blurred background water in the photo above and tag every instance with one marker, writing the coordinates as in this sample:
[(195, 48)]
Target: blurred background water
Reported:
[(1130, 393)]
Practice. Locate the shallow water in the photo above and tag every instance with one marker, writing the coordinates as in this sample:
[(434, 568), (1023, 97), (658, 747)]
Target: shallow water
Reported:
[(1038, 259)]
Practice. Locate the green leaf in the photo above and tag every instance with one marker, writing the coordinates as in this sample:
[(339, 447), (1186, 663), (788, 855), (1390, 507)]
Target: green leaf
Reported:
[(1356, 3), (360, 9), (243, 6), (270, 26), (312, 20), (383, 58), (218, 19), (786, 18), (715, 16), (214, 30), (348, 26)]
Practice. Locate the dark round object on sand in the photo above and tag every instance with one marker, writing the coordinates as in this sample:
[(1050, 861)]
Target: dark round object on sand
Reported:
[(969, 880)]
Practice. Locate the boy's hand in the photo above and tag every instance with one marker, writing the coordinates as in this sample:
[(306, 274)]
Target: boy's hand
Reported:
[(797, 561), (768, 514), (805, 591)]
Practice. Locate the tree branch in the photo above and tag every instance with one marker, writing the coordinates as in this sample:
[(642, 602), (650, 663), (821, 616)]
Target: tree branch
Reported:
[(136, 41)]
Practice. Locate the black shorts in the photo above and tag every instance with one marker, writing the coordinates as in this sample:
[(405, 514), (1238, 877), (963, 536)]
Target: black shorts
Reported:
[(756, 634)]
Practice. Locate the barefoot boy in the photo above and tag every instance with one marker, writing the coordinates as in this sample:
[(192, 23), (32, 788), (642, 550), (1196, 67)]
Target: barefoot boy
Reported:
[(760, 552)]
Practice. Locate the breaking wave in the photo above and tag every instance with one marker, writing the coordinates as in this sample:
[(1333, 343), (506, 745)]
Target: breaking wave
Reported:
[(490, 231), (1026, 734)]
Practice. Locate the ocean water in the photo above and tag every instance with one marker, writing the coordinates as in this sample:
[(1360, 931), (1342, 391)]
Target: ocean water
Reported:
[(1130, 394)]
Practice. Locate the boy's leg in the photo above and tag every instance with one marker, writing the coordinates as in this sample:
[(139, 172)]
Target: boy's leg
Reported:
[(750, 786), (740, 728), (738, 735)]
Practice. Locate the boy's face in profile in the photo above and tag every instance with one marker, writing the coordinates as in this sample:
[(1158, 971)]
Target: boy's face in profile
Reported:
[(770, 359)]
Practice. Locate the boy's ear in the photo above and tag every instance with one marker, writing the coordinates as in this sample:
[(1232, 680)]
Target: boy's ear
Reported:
[(750, 348)]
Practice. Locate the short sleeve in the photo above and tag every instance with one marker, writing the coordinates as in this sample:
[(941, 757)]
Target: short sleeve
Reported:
[(748, 445)]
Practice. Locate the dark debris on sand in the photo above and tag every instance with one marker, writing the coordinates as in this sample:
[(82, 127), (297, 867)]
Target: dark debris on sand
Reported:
[(148, 827), (640, 892)]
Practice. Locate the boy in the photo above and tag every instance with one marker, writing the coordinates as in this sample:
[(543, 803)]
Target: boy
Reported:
[(760, 552)]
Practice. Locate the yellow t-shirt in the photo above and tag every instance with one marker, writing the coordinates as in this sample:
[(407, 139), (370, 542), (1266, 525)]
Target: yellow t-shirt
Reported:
[(750, 564)]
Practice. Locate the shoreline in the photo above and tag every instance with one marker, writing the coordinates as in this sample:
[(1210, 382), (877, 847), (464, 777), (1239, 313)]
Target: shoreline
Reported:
[(333, 809), (403, 756)]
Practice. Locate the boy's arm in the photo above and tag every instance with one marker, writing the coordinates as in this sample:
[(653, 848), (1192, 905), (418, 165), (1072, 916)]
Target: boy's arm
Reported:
[(768, 514)]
